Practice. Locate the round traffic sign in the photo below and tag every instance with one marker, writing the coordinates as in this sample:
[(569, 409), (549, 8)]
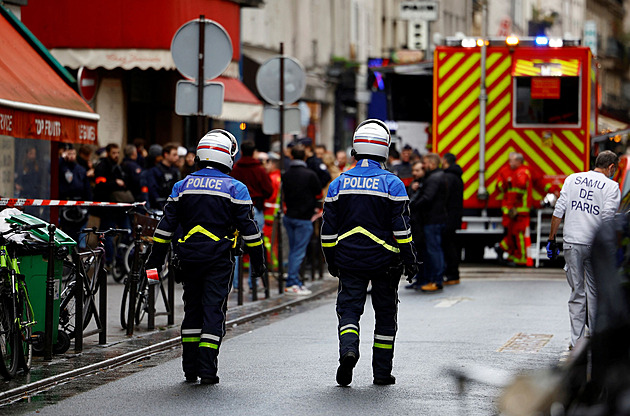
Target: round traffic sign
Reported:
[(88, 83), (268, 80), (217, 49)]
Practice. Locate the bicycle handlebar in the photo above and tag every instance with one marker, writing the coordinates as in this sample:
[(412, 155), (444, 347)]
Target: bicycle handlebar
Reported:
[(95, 231), (20, 228)]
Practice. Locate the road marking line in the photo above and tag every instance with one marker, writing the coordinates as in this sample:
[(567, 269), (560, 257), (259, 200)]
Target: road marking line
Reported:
[(448, 302)]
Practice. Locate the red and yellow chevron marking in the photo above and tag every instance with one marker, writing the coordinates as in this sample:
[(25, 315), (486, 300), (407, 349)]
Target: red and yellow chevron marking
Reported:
[(457, 76), (556, 67)]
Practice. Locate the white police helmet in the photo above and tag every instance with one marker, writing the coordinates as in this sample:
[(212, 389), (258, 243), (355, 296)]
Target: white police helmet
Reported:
[(217, 146), (372, 138)]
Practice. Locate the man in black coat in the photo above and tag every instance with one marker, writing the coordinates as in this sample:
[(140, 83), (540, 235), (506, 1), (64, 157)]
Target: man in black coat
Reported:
[(454, 208), (74, 185), (301, 189), (431, 202)]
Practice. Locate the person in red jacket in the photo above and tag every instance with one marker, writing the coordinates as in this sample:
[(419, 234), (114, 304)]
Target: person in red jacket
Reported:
[(514, 185), (272, 204), (252, 173)]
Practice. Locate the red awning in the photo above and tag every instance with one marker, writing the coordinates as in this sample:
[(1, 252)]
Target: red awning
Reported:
[(236, 91), (239, 103), (35, 103)]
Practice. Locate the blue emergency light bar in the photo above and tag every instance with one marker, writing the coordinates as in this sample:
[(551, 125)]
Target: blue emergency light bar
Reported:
[(541, 40)]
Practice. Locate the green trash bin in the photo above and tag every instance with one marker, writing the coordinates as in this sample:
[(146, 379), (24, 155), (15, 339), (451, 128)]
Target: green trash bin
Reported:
[(35, 269)]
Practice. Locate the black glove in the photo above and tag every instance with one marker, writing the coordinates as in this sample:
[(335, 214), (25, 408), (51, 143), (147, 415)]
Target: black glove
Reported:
[(333, 270), (552, 249), (410, 270), (259, 270)]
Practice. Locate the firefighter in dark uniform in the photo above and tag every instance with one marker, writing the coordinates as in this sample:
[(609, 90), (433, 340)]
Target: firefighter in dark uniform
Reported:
[(366, 236), (210, 207)]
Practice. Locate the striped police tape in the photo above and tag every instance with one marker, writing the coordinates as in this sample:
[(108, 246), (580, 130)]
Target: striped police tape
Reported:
[(24, 202)]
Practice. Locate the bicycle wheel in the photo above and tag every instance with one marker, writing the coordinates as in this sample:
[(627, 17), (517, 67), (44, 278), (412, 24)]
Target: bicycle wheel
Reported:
[(26, 335), (142, 304), (119, 268), (67, 308), (9, 348)]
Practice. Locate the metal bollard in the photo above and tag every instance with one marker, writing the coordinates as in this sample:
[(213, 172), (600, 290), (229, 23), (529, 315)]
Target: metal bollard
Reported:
[(240, 280), (171, 298), (134, 278), (50, 294), (78, 296), (102, 307)]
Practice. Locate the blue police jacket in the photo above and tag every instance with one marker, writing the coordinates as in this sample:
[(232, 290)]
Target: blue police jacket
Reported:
[(209, 206), (366, 219)]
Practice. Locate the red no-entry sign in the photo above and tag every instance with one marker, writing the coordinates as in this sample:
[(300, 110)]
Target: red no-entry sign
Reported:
[(88, 83)]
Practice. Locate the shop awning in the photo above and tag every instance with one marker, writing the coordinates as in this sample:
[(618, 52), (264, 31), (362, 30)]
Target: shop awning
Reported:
[(239, 103), (35, 103)]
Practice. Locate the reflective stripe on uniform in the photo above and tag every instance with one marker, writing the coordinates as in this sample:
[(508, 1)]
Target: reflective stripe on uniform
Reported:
[(349, 329), (210, 336), (161, 240), (384, 337), (199, 229), (378, 345), (191, 339), (366, 233), (162, 233), (257, 243), (251, 237), (208, 345)]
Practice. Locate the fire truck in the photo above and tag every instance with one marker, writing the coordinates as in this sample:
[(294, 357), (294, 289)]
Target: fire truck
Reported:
[(535, 96)]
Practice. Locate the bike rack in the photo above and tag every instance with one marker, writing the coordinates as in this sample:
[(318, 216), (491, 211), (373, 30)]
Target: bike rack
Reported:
[(100, 317)]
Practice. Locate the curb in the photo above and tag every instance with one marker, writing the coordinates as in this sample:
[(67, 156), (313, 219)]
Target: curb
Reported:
[(17, 393)]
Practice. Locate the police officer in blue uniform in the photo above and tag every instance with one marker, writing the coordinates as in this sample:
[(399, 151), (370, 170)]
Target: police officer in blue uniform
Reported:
[(366, 236), (208, 207)]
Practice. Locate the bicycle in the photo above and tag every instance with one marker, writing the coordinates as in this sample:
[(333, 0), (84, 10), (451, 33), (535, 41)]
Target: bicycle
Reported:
[(143, 233), (89, 266), (16, 311)]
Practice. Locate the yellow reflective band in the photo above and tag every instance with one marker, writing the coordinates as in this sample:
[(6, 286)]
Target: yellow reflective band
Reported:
[(257, 243), (329, 244), (209, 345), (191, 339), (518, 190), (366, 233), (404, 240), (161, 240), (384, 346), (349, 330), (199, 229)]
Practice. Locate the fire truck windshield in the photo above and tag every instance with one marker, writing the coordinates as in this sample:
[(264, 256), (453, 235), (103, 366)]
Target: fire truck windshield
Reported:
[(547, 100)]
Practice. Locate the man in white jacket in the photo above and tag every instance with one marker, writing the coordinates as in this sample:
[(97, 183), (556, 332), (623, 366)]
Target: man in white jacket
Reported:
[(587, 200)]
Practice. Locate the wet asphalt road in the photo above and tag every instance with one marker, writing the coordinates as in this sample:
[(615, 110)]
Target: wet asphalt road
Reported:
[(287, 367)]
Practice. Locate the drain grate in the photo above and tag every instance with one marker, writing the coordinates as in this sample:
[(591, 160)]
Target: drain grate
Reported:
[(527, 343)]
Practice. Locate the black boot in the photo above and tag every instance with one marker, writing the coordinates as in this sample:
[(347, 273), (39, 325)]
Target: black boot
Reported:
[(346, 365), (210, 380), (384, 381)]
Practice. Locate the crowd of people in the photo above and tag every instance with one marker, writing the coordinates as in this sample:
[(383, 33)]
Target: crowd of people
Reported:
[(112, 174), (136, 174)]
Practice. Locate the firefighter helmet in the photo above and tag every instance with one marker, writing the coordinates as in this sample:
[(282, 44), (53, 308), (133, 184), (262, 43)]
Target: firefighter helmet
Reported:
[(218, 146), (372, 138)]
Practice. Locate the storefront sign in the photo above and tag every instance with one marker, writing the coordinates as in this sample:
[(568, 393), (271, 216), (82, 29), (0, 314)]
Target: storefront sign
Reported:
[(32, 125)]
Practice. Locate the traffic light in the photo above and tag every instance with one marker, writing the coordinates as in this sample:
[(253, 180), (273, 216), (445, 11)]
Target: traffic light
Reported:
[(417, 35)]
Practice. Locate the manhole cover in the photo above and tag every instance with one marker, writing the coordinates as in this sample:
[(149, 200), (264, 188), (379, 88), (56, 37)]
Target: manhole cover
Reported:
[(528, 343)]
